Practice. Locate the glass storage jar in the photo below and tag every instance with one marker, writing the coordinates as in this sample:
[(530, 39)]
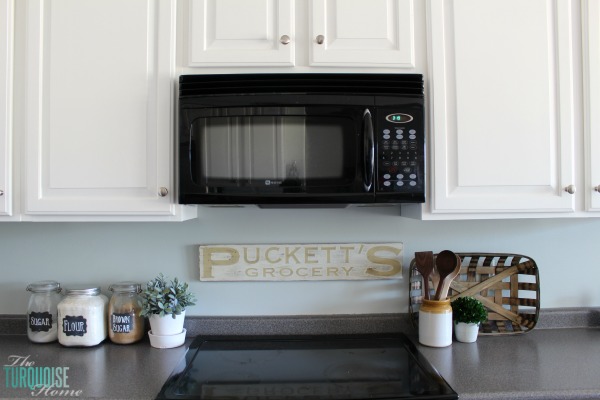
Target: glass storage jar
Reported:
[(124, 322), (42, 316), (82, 317)]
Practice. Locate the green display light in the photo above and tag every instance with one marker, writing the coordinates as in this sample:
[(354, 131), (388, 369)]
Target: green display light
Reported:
[(399, 118)]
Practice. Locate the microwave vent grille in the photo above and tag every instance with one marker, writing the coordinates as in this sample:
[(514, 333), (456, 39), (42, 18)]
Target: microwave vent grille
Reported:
[(310, 83)]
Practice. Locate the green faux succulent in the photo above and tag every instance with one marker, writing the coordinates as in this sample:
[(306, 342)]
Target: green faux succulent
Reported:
[(165, 298), (468, 310)]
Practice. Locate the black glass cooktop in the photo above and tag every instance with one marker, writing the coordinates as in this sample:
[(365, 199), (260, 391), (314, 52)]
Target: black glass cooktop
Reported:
[(289, 368)]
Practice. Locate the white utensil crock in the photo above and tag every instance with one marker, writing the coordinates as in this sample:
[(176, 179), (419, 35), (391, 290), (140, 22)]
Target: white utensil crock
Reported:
[(435, 323)]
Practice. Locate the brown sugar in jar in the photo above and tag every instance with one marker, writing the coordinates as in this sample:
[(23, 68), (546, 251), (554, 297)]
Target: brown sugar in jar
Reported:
[(125, 325)]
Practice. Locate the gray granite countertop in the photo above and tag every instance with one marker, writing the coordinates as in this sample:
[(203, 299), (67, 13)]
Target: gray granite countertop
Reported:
[(542, 364), (553, 361)]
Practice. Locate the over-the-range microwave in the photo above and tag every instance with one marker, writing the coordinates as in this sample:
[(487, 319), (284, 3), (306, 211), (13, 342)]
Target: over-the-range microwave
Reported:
[(302, 139)]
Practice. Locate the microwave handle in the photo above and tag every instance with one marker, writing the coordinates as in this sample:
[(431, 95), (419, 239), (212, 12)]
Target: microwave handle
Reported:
[(369, 148)]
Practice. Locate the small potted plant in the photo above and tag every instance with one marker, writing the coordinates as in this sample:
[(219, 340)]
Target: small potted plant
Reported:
[(164, 303), (467, 314)]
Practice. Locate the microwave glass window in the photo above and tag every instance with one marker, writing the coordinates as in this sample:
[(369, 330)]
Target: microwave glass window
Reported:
[(275, 151)]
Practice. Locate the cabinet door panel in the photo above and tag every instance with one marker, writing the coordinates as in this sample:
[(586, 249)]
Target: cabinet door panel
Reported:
[(241, 33), (6, 68), (99, 104), (591, 68), (357, 33), (501, 105)]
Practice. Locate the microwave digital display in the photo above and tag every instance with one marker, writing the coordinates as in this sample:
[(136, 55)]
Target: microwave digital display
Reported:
[(399, 118)]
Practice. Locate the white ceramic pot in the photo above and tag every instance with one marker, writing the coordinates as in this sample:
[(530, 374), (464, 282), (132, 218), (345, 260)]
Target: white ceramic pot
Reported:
[(166, 325), (167, 341), (466, 333)]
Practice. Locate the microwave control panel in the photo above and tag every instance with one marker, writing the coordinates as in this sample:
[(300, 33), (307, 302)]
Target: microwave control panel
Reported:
[(400, 144)]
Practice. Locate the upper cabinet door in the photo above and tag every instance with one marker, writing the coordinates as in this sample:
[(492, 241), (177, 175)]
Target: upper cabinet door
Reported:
[(501, 106), (241, 33), (378, 33), (591, 88), (99, 107), (6, 68)]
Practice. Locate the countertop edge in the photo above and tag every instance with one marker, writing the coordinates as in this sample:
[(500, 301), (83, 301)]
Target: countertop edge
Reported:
[(533, 395), (551, 318)]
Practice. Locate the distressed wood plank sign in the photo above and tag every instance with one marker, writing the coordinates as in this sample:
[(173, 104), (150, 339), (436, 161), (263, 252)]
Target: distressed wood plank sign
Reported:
[(301, 262)]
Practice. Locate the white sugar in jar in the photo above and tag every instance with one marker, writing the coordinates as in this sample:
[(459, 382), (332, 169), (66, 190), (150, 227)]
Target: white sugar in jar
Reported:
[(82, 317), (41, 311)]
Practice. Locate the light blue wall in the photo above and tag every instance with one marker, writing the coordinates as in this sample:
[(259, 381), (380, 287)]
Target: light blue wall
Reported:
[(103, 253)]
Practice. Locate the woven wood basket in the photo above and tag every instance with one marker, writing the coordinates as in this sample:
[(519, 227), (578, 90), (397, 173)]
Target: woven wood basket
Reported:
[(508, 285)]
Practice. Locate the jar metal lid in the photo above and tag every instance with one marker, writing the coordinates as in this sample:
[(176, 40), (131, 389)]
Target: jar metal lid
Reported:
[(44, 286), (83, 291), (125, 287)]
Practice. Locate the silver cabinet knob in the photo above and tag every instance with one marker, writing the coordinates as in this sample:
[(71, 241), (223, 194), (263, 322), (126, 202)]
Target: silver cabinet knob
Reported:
[(597, 188), (1, 192), (285, 39), (163, 191), (320, 39), (570, 189)]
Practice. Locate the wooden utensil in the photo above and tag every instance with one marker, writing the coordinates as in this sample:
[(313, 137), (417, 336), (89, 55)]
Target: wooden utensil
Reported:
[(435, 278), (424, 264), (448, 266)]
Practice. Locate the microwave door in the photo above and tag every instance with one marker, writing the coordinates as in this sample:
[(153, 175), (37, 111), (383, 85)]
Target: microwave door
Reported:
[(244, 154), (311, 155)]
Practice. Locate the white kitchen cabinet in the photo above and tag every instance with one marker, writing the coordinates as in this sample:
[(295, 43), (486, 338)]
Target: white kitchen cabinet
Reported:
[(6, 68), (100, 110), (262, 33), (241, 33), (501, 105), (378, 33), (591, 87)]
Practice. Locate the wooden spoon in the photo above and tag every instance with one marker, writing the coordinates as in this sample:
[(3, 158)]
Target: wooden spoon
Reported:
[(435, 278), (448, 266), (453, 275), (424, 263)]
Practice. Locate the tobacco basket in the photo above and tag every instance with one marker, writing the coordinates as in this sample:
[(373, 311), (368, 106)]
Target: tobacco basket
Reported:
[(507, 284)]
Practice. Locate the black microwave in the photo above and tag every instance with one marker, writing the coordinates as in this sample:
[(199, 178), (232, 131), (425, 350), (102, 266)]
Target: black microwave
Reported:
[(309, 139)]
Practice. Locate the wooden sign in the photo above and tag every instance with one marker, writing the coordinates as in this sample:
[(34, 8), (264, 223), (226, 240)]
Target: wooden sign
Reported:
[(300, 262)]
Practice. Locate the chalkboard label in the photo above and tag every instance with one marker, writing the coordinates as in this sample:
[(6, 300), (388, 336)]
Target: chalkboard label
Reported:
[(40, 321), (121, 323), (74, 326)]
